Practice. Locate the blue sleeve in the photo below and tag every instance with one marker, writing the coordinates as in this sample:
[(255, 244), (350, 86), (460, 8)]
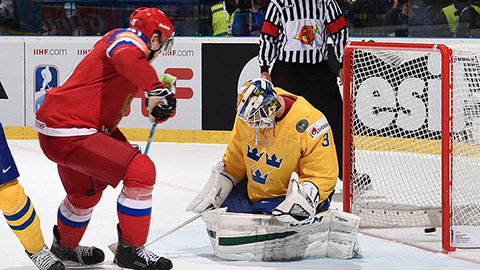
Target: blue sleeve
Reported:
[(8, 168)]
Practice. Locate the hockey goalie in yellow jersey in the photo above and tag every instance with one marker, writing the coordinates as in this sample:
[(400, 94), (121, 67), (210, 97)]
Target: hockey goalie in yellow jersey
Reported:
[(268, 198)]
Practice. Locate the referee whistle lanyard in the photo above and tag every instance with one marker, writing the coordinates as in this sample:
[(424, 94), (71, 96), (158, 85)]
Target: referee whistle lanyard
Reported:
[(227, 19)]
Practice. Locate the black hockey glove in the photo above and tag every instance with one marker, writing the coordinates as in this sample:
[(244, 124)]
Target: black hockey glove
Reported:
[(162, 104)]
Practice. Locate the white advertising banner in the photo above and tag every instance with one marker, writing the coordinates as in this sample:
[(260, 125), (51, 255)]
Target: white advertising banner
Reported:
[(465, 236), (48, 63), (12, 112), (183, 62)]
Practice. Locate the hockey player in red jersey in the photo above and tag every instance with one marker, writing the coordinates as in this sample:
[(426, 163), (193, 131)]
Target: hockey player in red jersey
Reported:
[(77, 125)]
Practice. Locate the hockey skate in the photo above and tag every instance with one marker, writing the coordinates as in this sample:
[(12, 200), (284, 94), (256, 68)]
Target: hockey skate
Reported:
[(128, 256), (45, 260), (81, 254)]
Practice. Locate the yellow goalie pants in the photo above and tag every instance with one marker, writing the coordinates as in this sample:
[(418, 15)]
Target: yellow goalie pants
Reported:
[(20, 215)]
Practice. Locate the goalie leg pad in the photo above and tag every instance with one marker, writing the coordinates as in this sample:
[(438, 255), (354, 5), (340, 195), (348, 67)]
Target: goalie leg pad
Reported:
[(238, 236), (343, 243), (215, 190)]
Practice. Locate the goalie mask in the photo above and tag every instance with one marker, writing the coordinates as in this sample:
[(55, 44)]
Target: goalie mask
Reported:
[(153, 20), (257, 104)]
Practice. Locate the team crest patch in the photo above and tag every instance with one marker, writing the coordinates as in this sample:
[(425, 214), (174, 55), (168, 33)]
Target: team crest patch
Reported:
[(307, 34), (302, 125), (318, 128)]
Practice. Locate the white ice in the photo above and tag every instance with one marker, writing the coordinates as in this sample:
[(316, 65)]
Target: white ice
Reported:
[(182, 170)]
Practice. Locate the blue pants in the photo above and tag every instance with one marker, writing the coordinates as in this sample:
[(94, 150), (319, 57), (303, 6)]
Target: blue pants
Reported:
[(238, 202)]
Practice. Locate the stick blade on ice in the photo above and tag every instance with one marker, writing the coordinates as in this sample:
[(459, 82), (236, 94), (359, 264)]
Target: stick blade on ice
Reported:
[(113, 247)]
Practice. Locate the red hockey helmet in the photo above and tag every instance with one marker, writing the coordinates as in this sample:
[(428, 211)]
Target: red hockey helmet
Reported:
[(149, 20)]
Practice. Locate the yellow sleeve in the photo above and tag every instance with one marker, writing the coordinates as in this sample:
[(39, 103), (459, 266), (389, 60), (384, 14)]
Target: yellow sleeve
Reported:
[(318, 162), (233, 156)]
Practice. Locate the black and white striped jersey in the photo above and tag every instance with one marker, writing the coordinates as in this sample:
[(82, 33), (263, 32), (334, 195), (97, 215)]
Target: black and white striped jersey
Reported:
[(296, 31)]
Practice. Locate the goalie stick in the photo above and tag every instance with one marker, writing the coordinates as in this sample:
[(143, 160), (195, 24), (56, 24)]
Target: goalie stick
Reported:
[(113, 247)]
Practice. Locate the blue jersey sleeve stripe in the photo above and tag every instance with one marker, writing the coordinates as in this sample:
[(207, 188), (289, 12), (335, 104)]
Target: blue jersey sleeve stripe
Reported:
[(118, 39), (114, 34), (120, 43)]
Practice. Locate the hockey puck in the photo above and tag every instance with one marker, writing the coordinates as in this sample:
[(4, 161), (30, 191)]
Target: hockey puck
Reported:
[(430, 230)]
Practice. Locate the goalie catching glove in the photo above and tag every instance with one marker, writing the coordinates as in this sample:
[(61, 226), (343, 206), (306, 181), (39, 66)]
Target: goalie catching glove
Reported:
[(215, 191), (161, 102), (300, 202)]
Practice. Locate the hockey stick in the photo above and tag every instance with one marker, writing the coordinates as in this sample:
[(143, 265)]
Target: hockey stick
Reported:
[(150, 138), (113, 247)]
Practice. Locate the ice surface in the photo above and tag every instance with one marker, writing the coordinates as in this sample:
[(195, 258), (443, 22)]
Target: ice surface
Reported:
[(182, 171)]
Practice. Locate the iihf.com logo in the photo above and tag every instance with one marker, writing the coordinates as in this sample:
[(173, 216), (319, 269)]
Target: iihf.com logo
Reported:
[(46, 77)]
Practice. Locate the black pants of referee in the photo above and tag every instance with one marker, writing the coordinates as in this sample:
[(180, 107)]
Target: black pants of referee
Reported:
[(318, 85)]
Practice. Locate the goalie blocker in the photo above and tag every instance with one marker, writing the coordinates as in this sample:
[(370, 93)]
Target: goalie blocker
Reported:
[(259, 237)]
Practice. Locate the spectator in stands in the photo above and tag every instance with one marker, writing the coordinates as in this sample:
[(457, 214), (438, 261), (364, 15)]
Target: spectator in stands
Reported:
[(222, 17), (459, 19), (431, 9), (249, 17), (397, 19), (55, 21), (350, 12), (425, 24), (76, 24), (9, 23)]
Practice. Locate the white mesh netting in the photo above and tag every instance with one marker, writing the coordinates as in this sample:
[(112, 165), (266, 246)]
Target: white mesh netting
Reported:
[(395, 99)]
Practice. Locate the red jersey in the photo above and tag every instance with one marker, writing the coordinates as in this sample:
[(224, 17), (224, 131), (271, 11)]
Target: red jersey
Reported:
[(97, 93)]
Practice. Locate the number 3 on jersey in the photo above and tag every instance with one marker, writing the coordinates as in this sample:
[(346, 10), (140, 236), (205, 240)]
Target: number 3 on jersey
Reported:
[(326, 140)]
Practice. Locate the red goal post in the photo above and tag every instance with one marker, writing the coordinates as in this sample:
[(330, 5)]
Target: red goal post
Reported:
[(412, 123)]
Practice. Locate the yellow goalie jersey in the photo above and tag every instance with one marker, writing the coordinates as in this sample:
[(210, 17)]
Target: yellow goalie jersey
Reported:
[(302, 141)]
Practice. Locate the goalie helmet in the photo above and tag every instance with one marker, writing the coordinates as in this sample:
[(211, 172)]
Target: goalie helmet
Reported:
[(150, 20), (257, 103)]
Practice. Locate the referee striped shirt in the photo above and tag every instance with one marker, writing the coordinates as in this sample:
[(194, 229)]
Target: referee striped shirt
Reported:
[(296, 31)]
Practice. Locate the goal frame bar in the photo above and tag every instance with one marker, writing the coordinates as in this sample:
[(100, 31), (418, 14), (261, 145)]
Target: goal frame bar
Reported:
[(446, 129)]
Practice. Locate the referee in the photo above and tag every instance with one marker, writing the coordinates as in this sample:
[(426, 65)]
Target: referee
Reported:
[(294, 35)]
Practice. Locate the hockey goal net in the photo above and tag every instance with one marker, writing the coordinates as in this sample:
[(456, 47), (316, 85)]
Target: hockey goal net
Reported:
[(412, 124)]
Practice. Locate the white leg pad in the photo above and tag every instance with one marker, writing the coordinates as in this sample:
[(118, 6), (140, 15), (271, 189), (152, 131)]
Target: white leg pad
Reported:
[(343, 243), (238, 236)]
